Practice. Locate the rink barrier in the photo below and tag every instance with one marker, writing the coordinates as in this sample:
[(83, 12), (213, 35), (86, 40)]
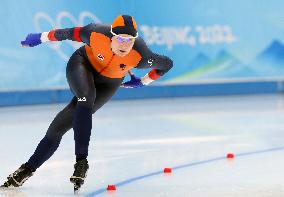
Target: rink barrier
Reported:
[(32, 97)]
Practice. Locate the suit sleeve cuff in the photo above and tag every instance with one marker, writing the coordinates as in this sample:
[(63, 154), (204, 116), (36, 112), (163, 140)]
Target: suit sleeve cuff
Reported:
[(44, 37), (150, 77)]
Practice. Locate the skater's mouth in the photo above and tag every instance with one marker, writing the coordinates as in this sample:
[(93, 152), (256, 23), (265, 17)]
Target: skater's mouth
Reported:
[(122, 51)]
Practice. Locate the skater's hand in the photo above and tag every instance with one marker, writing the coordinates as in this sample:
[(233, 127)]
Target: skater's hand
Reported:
[(135, 82), (32, 40)]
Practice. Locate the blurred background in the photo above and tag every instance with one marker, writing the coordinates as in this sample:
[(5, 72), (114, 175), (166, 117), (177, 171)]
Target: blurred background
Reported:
[(227, 47)]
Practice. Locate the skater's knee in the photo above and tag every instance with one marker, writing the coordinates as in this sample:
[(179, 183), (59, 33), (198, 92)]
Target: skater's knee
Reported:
[(94, 109), (55, 132)]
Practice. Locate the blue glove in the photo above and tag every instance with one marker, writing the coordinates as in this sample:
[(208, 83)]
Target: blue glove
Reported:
[(32, 40), (135, 82)]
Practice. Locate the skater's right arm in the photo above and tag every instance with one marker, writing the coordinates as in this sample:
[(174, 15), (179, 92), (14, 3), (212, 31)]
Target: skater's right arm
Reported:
[(79, 34)]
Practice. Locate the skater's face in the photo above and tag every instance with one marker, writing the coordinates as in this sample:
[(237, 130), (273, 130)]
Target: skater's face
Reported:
[(122, 44)]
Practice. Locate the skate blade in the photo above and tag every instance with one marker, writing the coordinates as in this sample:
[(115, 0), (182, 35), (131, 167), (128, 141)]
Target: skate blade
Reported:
[(4, 188), (7, 185), (76, 188), (77, 183)]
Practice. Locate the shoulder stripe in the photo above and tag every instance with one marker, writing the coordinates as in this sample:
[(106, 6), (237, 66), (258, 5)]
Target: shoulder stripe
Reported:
[(153, 74), (76, 34), (51, 35)]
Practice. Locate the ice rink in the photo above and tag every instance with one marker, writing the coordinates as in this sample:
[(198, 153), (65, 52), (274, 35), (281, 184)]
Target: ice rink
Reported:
[(133, 141)]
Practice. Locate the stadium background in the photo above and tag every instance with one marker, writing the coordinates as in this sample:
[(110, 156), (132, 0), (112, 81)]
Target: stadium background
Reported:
[(218, 47)]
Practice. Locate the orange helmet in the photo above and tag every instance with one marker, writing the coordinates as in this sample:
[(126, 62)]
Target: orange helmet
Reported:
[(124, 24)]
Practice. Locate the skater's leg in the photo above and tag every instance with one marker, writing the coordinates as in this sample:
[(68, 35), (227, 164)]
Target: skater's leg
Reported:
[(104, 92), (48, 145), (82, 123), (80, 78), (81, 82)]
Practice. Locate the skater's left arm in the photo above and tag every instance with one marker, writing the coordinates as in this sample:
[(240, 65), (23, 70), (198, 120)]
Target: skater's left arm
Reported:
[(160, 65)]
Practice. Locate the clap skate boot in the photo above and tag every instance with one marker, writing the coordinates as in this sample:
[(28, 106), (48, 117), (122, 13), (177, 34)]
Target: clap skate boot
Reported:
[(18, 177), (80, 173)]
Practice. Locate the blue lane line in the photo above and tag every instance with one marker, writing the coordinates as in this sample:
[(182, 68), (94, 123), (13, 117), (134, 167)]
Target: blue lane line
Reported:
[(131, 180)]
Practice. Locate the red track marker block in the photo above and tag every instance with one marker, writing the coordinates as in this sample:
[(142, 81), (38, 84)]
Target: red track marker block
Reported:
[(167, 170), (230, 156), (111, 187)]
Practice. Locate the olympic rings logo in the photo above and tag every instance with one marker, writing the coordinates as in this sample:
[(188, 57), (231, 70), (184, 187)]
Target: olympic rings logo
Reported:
[(42, 18)]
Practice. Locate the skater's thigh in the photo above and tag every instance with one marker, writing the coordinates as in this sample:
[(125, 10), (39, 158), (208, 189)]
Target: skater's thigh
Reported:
[(80, 79)]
